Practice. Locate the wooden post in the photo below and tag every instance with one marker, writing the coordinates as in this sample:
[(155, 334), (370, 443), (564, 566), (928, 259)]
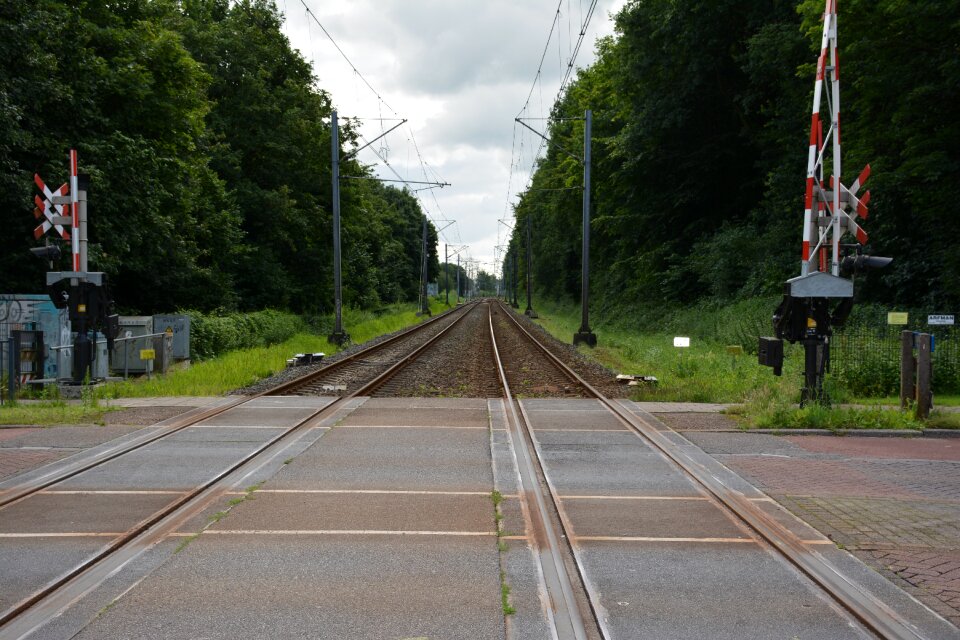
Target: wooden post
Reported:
[(908, 369), (924, 376)]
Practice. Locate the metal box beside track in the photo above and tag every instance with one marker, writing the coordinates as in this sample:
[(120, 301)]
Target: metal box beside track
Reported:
[(131, 339), (770, 353), (179, 326), (23, 311)]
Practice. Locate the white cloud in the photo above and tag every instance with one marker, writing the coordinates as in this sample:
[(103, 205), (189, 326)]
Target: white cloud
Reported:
[(460, 72)]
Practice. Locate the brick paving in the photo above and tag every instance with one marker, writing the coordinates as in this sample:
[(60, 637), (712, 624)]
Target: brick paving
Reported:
[(935, 480), (14, 461), (12, 434), (897, 449), (26, 448), (812, 477), (936, 573), (865, 523), (893, 502)]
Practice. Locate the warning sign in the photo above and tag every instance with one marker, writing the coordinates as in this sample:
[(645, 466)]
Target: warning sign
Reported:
[(897, 317)]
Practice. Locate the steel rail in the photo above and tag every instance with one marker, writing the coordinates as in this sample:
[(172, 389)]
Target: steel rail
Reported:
[(150, 525), (359, 355), (547, 535), (64, 472), (69, 470), (861, 604), (139, 528)]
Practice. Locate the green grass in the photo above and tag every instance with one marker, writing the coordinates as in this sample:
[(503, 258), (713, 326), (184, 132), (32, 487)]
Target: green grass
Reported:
[(224, 373), (244, 367), (706, 372), (771, 412), (186, 542), (52, 412), (216, 376), (944, 420), (894, 401), (505, 596)]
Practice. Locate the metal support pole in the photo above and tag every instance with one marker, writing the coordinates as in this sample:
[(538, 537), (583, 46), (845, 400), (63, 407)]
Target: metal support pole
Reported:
[(458, 278), (514, 303), (11, 374), (83, 181), (339, 336), (924, 376), (82, 347), (446, 271), (74, 212), (585, 335), (424, 300), (529, 312), (816, 360), (908, 368)]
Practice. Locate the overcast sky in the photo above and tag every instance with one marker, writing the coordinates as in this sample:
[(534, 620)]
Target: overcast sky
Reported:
[(460, 72)]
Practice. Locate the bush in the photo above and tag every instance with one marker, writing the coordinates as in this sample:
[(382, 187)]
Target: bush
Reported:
[(211, 335)]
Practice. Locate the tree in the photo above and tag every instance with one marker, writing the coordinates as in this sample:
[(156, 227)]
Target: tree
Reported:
[(701, 121), (129, 97)]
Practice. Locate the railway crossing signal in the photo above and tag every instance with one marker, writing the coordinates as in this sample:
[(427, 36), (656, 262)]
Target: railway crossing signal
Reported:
[(821, 297), (51, 214), (85, 294), (49, 252)]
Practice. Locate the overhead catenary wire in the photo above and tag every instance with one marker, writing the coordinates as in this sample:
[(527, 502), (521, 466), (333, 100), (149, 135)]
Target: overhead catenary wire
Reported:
[(381, 153), (543, 56), (517, 151), (344, 55), (569, 71)]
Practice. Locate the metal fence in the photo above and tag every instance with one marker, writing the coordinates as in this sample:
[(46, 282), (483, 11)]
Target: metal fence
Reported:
[(866, 359), (8, 381)]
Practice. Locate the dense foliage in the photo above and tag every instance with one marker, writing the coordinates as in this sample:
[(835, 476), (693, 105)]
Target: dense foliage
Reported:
[(208, 145), (701, 121), (212, 335)]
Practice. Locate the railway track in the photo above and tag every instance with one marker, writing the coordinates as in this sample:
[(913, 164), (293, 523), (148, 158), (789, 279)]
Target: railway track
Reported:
[(345, 375), (519, 365), (580, 622), (389, 356)]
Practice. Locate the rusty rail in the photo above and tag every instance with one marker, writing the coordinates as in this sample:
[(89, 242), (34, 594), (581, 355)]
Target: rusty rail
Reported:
[(25, 616), (546, 531), (862, 605)]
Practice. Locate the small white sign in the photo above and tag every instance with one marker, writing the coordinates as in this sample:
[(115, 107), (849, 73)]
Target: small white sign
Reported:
[(681, 342), (940, 319)]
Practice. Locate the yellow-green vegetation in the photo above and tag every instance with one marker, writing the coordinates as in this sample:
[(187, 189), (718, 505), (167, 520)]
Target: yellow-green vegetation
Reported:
[(768, 410), (216, 376), (703, 372), (51, 412), (940, 420), (232, 370), (508, 609), (708, 372), (46, 408), (893, 401), (243, 367)]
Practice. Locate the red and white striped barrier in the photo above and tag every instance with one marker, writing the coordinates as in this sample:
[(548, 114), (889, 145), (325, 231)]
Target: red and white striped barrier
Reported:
[(47, 210), (75, 211), (826, 202)]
